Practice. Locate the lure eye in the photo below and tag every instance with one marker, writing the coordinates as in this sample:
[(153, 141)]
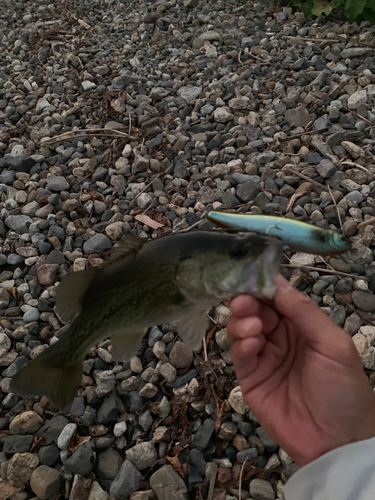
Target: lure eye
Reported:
[(238, 252)]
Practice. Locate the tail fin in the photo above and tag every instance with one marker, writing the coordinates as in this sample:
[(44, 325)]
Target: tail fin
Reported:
[(49, 375)]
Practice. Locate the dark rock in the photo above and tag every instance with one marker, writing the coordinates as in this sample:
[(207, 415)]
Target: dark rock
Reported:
[(49, 455), (52, 429), (203, 435), (247, 191), (126, 482), (81, 462), (109, 463), (230, 200), (364, 301), (312, 158), (16, 444), (97, 244), (17, 163), (108, 410)]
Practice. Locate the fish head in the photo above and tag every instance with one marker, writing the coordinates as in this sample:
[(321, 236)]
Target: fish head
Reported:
[(236, 262), (337, 241)]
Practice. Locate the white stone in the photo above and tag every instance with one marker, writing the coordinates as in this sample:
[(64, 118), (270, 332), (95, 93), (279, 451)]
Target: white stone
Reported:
[(189, 93), (363, 343), (221, 115), (144, 200), (302, 259), (87, 85), (236, 401), (119, 428), (357, 99), (65, 436), (41, 104)]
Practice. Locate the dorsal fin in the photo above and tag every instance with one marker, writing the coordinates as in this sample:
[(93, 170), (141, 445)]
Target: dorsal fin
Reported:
[(70, 293), (130, 244)]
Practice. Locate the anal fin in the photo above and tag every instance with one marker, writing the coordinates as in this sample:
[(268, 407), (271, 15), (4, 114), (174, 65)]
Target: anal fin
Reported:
[(192, 329), (125, 344)]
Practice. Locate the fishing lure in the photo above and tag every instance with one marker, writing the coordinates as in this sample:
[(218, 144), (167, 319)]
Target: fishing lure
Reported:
[(294, 234)]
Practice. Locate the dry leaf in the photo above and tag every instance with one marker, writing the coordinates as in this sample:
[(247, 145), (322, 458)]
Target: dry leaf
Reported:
[(36, 444), (224, 475), (77, 441), (145, 219), (182, 469)]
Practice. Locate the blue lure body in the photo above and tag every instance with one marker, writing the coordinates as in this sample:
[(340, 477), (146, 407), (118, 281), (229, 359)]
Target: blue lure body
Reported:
[(294, 234)]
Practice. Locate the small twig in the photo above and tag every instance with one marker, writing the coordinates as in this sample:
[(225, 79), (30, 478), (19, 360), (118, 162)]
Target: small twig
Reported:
[(325, 262), (240, 480), (188, 228), (320, 270), (130, 123), (352, 164), (211, 319), (146, 187), (211, 488), (366, 222), (110, 132), (292, 201), (303, 176), (300, 134), (337, 208), (205, 349), (365, 119), (261, 61), (303, 39)]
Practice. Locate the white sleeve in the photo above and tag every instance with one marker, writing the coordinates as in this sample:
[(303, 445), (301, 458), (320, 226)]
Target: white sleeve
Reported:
[(347, 473)]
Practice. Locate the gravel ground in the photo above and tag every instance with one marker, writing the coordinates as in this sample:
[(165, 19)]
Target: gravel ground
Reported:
[(195, 105)]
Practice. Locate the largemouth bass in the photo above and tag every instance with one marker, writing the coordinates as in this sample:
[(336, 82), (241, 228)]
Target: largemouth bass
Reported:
[(294, 234), (177, 277)]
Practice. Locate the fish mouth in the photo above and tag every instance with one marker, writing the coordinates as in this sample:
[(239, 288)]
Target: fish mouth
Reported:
[(259, 276)]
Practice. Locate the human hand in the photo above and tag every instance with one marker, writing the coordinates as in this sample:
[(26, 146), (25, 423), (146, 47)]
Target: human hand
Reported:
[(300, 374)]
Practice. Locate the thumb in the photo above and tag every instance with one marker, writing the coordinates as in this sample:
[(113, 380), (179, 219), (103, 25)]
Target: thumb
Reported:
[(304, 313)]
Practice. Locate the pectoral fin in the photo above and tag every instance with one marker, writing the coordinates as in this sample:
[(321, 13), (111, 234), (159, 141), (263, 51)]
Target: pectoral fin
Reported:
[(125, 344), (70, 293), (192, 329)]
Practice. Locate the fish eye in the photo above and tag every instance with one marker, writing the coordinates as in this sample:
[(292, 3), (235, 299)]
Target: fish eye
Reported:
[(238, 252)]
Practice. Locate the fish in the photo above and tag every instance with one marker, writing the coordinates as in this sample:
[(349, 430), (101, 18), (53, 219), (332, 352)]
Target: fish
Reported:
[(295, 234), (178, 277)]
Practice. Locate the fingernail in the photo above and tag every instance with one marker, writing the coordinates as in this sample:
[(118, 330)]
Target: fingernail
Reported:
[(282, 283)]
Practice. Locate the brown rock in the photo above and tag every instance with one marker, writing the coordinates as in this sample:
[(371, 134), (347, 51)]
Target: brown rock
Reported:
[(27, 422), (46, 482), (344, 298), (240, 442), (80, 489), (46, 274), (304, 188), (180, 356)]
